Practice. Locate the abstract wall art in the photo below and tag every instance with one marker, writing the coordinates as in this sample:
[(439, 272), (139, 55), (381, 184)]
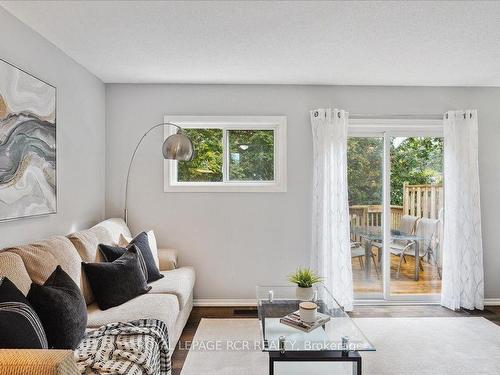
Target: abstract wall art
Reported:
[(27, 145)]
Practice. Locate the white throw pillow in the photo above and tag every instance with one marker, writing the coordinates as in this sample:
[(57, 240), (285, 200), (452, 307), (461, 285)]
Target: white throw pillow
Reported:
[(154, 247), (124, 241)]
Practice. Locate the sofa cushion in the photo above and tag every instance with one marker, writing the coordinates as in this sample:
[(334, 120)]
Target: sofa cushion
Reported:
[(86, 243), (142, 243), (179, 282), (20, 326), (42, 257), (61, 308), (117, 282), (115, 227), (124, 241), (147, 306), (112, 253), (12, 266), (167, 259)]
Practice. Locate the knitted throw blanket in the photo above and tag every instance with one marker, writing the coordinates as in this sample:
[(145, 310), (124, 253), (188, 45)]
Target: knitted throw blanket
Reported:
[(133, 348)]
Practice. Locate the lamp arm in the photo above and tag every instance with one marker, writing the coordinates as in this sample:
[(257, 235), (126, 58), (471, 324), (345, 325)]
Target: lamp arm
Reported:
[(125, 211)]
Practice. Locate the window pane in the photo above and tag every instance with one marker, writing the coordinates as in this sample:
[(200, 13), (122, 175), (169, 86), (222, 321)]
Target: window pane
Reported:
[(416, 210), (251, 155), (365, 157), (207, 163)]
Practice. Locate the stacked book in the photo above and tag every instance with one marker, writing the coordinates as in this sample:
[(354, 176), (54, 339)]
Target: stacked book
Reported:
[(293, 320)]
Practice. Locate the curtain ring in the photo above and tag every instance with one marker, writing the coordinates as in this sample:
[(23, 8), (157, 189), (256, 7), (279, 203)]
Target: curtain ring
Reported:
[(470, 115), (338, 114), (465, 115), (447, 116), (316, 113)]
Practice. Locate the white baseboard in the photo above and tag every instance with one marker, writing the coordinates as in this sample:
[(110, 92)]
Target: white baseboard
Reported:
[(492, 302), (229, 302), (377, 302), (224, 302)]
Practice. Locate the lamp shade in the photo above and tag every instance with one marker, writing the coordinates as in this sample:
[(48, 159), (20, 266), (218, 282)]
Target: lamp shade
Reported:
[(178, 147)]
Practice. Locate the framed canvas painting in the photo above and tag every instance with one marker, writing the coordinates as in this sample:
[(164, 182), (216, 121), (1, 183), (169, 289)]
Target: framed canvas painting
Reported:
[(27, 145)]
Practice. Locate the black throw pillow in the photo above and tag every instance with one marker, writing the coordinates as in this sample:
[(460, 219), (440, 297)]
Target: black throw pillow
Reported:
[(20, 327), (117, 282), (10, 293), (141, 241), (61, 308), (112, 253)]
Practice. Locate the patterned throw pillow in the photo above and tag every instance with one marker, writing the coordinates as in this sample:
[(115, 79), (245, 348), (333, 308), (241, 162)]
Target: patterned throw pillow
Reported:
[(20, 327)]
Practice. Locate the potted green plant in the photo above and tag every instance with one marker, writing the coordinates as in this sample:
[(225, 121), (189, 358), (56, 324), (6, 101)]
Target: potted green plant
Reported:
[(305, 279)]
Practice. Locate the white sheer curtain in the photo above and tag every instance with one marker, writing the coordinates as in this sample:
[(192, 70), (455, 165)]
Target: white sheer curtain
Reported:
[(331, 250), (463, 281)]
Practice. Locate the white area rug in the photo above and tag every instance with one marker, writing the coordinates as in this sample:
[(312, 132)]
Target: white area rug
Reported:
[(405, 346)]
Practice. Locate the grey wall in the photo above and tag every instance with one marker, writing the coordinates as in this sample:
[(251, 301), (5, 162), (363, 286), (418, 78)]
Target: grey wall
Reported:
[(238, 240), (80, 133)]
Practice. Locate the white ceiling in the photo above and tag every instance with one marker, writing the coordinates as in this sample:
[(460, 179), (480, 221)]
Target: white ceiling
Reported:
[(310, 42)]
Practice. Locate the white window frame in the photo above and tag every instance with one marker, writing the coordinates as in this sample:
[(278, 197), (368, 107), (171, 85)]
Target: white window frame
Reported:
[(275, 123), (385, 129)]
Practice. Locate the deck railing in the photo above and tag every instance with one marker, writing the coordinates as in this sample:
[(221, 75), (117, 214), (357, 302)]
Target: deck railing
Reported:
[(371, 215), (423, 200), (418, 200)]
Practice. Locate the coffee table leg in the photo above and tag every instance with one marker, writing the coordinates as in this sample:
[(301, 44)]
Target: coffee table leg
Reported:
[(356, 367), (356, 364)]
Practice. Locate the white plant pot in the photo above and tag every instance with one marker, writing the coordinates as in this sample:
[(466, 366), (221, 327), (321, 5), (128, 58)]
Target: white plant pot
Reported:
[(305, 294)]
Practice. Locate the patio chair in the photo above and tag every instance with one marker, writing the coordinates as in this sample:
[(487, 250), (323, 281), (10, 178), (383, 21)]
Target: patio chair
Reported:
[(406, 225), (427, 229), (358, 251)]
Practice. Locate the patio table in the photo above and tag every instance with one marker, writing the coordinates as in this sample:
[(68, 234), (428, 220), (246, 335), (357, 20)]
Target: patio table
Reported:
[(375, 234)]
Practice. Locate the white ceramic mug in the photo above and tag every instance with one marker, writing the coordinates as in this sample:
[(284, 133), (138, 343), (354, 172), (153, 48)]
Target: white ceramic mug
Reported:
[(307, 311)]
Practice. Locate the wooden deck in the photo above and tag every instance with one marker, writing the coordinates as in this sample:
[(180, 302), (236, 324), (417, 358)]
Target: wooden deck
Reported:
[(428, 282)]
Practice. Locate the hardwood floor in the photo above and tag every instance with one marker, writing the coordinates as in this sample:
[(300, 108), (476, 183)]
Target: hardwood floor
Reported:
[(429, 281), (491, 313)]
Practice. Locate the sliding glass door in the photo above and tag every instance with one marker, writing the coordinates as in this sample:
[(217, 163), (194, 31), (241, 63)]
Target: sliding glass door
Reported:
[(395, 179), (416, 200), (365, 162)]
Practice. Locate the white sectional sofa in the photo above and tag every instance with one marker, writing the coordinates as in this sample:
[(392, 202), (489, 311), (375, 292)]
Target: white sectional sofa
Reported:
[(170, 299)]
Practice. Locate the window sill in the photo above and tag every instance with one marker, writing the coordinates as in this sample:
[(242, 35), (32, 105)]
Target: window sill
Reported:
[(226, 188)]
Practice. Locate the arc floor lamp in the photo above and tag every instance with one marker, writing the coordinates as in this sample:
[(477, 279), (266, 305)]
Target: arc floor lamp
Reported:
[(178, 146)]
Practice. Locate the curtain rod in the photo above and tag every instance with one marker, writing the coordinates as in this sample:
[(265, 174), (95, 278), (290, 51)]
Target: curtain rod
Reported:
[(378, 116)]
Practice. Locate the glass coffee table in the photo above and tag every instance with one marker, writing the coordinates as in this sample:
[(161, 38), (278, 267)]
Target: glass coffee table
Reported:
[(338, 340)]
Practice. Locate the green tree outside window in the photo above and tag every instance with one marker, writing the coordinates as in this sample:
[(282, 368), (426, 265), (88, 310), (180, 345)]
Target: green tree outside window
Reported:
[(414, 160), (251, 156)]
